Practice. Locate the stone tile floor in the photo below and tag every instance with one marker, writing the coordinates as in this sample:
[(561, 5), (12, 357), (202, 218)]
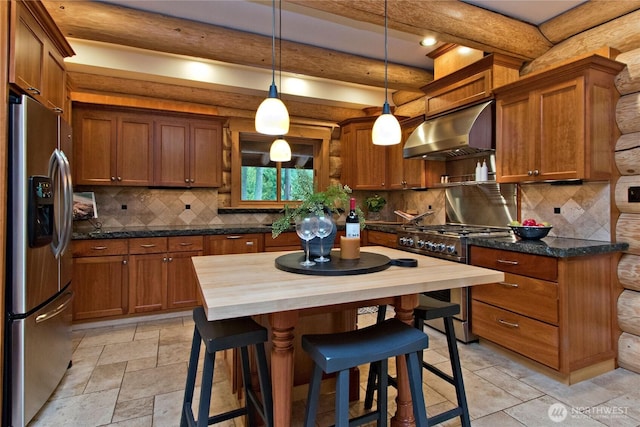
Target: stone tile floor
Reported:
[(133, 375)]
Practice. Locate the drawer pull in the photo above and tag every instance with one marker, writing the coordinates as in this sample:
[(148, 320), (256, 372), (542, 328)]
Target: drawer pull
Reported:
[(234, 237), (509, 324), (148, 245), (99, 248), (506, 261), (249, 243), (509, 285), (186, 243)]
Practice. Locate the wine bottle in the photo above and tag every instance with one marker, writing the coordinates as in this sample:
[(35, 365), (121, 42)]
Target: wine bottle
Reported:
[(353, 222)]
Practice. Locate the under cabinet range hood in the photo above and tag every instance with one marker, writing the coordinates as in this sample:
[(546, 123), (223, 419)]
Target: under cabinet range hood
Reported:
[(460, 133)]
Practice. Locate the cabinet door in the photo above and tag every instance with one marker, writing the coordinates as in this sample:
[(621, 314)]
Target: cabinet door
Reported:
[(205, 156), (561, 143), (134, 150), (515, 149), (234, 244), (94, 148), (371, 161), (55, 82), (182, 285), (101, 287), (405, 173), (26, 57), (171, 153), (148, 280)]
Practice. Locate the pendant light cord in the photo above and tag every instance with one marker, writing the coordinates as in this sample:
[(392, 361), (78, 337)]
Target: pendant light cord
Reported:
[(273, 42), (386, 89), (280, 45)]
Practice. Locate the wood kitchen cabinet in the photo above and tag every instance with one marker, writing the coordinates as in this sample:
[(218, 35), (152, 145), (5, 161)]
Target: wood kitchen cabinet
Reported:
[(557, 312), (37, 49), (188, 153), (112, 147), (375, 167), (234, 244), (558, 124), (160, 274), (100, 278), (380, 238)]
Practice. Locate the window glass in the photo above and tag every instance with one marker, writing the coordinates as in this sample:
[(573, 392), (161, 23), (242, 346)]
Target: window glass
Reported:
[(264, 180)]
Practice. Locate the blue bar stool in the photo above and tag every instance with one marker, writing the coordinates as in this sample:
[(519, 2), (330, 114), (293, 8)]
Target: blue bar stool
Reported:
[(374, 344), (428, 309), (222, 335)]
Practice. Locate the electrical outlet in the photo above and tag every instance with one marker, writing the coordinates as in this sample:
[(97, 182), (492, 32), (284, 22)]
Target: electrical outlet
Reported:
[(556, 210), (123, 207), (187, 206), (633, 194)]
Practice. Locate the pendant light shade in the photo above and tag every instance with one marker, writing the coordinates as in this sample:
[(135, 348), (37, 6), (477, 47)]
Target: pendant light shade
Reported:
[(386, 129), (280, 151), (272, 116)]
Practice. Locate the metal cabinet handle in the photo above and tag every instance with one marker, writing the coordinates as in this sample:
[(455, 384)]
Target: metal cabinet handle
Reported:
[(164, 259), (249, 243), (186, 180), (509, 285), (34, 90), (530, 173), (170, 259), (506, 261), (509, 324), (186, 243), (234, 237), (192, 180), (98, 248), (148, 245), (113, 178), (124, 262), (536, 172), (119, 178), (58, 110)]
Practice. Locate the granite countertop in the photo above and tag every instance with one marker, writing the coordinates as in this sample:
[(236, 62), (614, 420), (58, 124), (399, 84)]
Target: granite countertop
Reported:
[(550, 246), (167, 231)]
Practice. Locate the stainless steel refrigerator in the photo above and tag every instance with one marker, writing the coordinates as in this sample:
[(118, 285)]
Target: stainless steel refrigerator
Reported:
[(38, 300)]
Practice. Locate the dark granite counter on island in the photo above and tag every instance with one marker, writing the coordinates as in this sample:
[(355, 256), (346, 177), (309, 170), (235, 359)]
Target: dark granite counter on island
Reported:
[(550, 246)]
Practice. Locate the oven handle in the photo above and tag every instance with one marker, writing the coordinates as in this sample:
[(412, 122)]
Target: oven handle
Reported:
[(506, 261), (509, 324)]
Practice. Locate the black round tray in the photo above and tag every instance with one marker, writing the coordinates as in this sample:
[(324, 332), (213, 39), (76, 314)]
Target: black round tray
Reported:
[(367, 263)]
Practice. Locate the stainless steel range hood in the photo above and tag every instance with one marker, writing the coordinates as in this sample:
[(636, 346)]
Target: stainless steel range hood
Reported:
[(459, 133)]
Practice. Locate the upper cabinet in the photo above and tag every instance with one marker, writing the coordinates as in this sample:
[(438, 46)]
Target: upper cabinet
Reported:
[(375, 167), (123, 146), (558, 124), (188, 153), (471, 84), (37, 49), (112, 147)]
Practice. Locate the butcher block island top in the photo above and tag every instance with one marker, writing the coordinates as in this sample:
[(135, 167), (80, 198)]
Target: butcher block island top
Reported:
[(250, 284)]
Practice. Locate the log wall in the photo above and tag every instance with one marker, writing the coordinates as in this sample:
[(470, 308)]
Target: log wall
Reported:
[(627, 158)]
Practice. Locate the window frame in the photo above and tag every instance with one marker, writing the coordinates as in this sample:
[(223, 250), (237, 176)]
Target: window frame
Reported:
[(320, 160)]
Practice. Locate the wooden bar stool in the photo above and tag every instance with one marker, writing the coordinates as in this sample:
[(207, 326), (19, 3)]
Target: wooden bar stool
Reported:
[(374, 344), (428, 309), (223, 335)]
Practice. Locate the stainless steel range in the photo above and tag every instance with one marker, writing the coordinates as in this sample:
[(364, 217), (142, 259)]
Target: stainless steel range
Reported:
[(491, 204)]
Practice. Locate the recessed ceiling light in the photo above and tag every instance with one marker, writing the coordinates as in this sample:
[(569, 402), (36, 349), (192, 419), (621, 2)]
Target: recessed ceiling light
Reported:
[(464, 50), (428, 41)]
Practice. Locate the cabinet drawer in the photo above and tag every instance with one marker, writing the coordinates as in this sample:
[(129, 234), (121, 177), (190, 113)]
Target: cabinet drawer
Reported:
[(282, 242), (185, 243), (541, 267), (531, 338), (381, 238), (524, 295), (102, 247), (147, 245)]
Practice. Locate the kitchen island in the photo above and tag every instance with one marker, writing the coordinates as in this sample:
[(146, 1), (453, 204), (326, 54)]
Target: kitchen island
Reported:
[(250, 284)]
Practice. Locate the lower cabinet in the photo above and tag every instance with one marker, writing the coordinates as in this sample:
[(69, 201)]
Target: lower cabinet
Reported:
[(100, 278), (160, 274), (381, 238), (557, 312), (234, 244)]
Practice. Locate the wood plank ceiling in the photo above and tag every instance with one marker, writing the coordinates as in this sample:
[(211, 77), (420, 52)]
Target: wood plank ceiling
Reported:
[(452, 21)]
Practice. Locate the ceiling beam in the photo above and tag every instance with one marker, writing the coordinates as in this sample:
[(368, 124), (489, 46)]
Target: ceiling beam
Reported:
[(130, 27)]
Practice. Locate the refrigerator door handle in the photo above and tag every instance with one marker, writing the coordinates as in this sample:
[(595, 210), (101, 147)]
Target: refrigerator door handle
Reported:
[(56, 311), (60, 174)]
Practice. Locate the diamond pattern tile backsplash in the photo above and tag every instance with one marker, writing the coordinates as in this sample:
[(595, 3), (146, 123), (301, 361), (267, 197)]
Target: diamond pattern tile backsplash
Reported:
[(584, 209)]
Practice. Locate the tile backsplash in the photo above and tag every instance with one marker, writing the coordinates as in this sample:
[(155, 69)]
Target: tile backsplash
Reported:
[(584, 210)]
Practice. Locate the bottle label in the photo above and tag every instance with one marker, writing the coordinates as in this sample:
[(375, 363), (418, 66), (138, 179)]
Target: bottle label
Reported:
[(352, 229)]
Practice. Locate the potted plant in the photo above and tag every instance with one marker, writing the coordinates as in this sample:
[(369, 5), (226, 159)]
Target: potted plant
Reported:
[(374, 205), (333, 201)]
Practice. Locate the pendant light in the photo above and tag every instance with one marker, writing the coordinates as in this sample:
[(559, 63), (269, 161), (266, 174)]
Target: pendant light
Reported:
[(272, 117), (280, 150), (386, 129)]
